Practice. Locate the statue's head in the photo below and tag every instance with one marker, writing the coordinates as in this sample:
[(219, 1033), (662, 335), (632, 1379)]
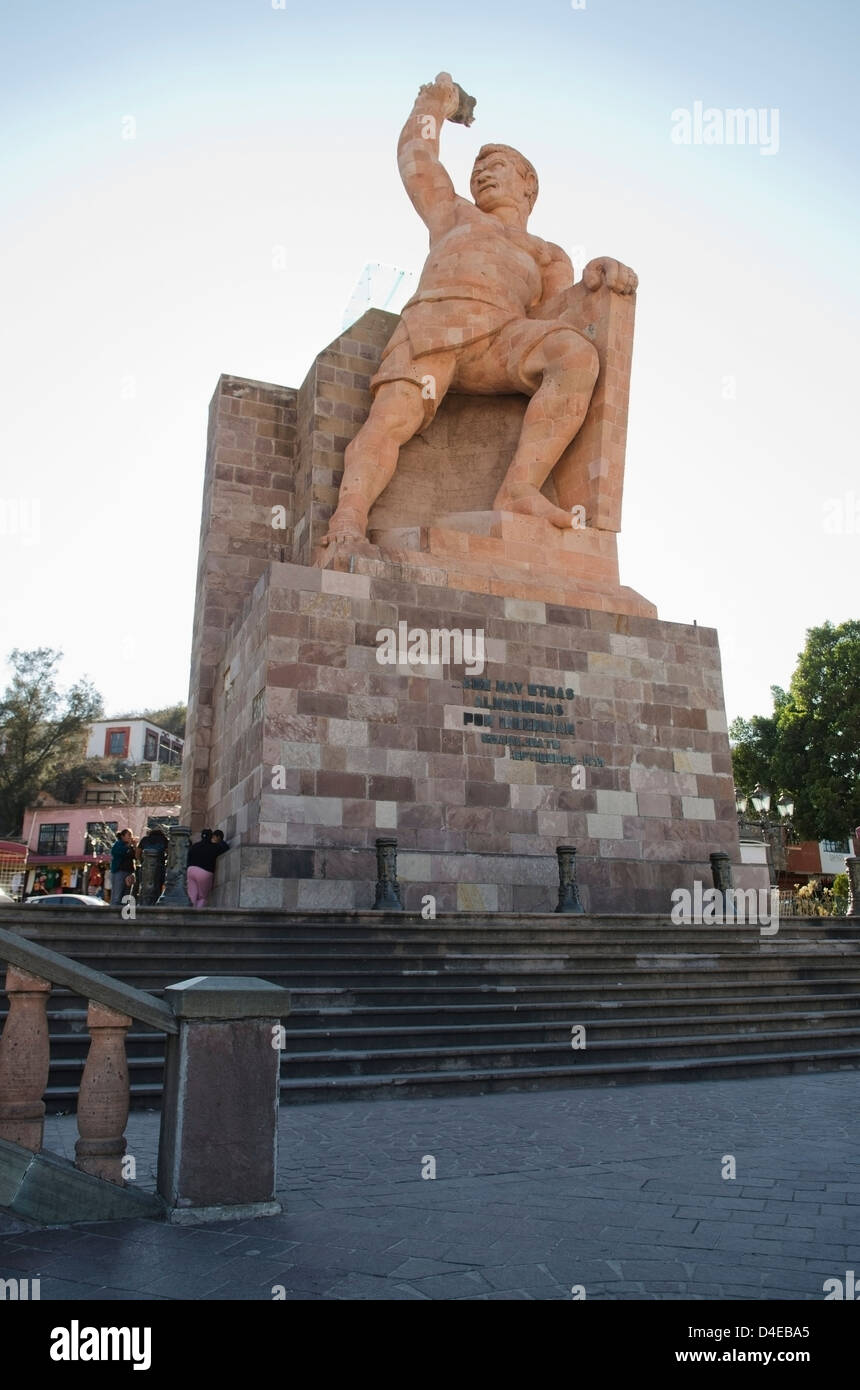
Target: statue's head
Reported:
[(502, 176)]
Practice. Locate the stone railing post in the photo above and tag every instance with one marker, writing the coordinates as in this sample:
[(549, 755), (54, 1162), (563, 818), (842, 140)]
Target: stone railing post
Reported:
[(217, 1151), (24, 1059), (852, 867), (387, 888), (150, 877), (175, 893), (568, 889), (103, 1096)]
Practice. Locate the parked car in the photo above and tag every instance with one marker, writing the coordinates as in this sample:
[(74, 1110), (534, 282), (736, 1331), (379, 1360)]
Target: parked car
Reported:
[(65, 900)]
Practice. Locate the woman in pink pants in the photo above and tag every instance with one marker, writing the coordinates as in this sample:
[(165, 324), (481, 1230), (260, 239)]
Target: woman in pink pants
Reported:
[(201, 865), (199, 885)]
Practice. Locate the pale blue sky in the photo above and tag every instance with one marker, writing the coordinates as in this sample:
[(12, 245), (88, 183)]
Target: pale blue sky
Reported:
[(134, 271)]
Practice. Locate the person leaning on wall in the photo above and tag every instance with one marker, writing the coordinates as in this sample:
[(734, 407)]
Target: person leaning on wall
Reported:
[(202, 858)]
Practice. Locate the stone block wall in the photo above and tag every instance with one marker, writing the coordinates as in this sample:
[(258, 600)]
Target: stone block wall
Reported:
[(250, 458), (351, 749)]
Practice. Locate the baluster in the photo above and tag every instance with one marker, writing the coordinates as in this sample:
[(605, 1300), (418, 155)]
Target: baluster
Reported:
[(25, 1056), (103, 1097)]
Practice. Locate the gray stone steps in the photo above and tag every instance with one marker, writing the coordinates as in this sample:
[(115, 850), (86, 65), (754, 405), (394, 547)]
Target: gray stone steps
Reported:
[(397, 1006), (656, 968), (318, 941), (335, 1062), (325, 1053), (146, 1048), (477, 1081), (68, 1025), (599, 1029)]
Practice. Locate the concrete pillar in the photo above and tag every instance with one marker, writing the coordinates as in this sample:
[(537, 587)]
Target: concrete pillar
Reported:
[(217, 1153)]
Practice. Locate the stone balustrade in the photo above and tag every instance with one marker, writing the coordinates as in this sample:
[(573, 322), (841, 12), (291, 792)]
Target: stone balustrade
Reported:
[(218, 1143), (103, 1100), (24, 1059)]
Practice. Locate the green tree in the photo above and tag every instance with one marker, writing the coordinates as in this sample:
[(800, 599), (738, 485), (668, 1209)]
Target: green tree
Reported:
[(810, 744), (755, 742), (41, 730)]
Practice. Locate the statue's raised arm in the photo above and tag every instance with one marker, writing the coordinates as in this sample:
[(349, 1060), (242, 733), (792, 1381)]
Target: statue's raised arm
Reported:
[(425, 178)]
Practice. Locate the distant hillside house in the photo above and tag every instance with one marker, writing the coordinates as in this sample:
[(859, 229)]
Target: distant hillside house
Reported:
[(133, 741)]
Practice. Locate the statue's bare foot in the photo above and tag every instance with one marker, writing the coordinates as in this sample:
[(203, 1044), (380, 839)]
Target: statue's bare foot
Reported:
[(530, 502), (346, 538), (345, 528)]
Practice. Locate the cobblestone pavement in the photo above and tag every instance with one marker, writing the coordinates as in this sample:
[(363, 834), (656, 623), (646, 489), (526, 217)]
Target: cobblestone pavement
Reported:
[(618, 1190)]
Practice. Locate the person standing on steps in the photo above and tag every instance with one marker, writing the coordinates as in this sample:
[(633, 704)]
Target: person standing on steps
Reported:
[(121, 867), (202, 858)]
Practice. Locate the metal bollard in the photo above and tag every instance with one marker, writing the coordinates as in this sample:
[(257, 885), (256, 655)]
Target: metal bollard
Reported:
[(568, 890), (721, 871), (175, 894), (387, 888), (150, 877)]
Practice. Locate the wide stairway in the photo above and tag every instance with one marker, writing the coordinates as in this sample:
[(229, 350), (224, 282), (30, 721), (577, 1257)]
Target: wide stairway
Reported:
[(389, 1005)]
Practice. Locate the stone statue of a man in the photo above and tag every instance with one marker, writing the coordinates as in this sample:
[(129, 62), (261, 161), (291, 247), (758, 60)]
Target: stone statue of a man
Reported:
[(474, 324)]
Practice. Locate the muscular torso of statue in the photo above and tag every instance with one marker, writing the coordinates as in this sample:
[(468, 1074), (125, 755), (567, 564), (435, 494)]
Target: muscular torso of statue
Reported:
[(474, 325), (508, 270)]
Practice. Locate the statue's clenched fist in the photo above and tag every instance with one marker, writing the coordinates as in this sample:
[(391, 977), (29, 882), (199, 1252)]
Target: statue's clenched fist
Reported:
[(605, 271), (444, 93)]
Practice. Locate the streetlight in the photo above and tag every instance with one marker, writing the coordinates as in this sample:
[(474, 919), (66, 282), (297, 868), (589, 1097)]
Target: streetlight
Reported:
[(773, 833), (760, 799)]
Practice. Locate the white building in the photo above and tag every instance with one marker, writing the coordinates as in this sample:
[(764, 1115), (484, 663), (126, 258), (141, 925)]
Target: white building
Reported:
[(133, 741)]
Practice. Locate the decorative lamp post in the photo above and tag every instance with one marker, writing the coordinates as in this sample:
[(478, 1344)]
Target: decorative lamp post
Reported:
[(773, 832)]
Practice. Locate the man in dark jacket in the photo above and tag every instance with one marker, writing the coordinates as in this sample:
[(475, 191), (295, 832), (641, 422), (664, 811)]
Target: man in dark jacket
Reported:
[(121, 867)]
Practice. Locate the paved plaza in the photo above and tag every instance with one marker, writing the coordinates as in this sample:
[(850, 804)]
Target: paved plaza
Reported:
[(615, 1190)]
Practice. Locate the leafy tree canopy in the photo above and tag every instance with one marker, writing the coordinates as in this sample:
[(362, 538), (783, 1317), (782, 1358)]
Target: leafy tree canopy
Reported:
[(810, 744), (41, 730)]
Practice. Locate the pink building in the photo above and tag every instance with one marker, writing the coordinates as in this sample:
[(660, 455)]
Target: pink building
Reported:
[(68, 847)]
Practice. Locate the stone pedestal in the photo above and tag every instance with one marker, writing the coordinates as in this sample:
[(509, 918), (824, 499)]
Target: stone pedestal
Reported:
[(599, 729), (217, 1155)]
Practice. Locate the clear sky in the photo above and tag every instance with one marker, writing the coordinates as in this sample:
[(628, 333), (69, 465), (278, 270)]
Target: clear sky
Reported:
[(193, 188)]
